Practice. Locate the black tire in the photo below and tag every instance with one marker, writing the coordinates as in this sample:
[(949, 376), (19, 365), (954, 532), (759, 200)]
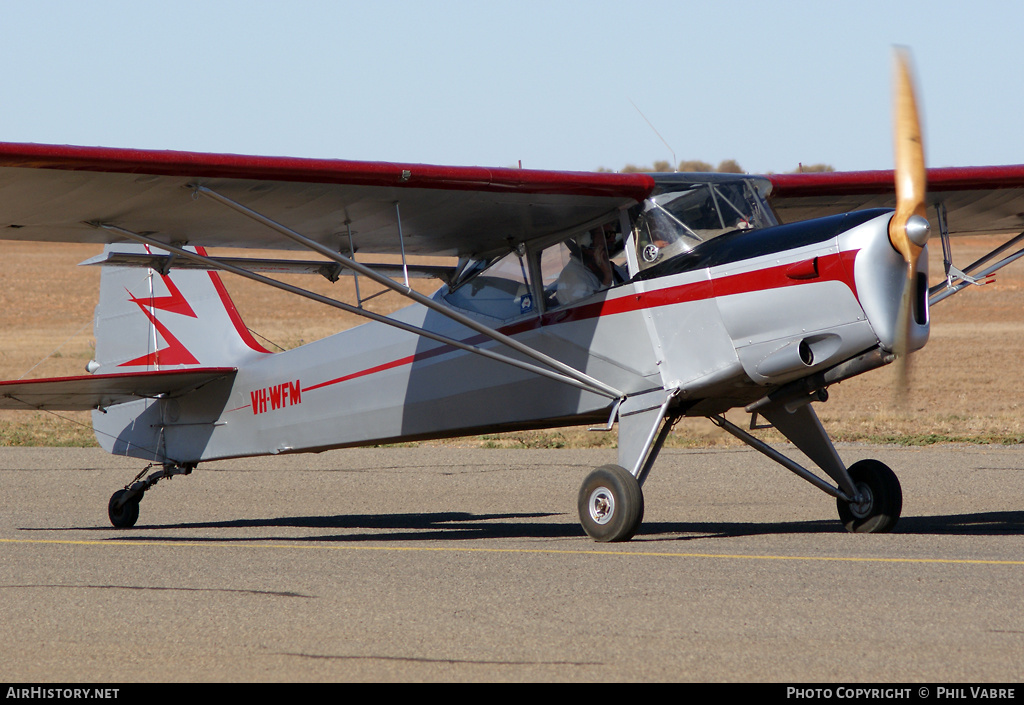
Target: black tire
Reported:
[(884, 499), (610, 504), (127, 514)]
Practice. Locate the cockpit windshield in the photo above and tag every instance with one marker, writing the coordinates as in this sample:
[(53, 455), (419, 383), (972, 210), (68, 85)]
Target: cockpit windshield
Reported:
[(677, 220)]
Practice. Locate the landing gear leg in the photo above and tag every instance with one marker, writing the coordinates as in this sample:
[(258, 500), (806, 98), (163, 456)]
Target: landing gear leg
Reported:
[(868, 495), (123, 508), (610, 502)]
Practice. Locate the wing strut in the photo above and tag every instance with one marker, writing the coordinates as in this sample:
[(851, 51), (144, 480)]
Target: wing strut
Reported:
[(957, 279), (352, 249), (576, 379)]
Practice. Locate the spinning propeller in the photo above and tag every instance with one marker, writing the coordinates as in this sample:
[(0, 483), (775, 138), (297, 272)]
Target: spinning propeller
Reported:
[(909, 228)]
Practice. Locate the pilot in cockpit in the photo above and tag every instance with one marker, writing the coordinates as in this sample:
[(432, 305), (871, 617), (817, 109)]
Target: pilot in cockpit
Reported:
[(590, 268)]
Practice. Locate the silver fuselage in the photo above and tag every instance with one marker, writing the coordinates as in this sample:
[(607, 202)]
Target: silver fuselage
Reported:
[(723, 328)]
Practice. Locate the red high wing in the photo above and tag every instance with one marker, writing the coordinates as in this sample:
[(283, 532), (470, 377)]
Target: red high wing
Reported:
[(977, 199), (52, 192), (323, 171)]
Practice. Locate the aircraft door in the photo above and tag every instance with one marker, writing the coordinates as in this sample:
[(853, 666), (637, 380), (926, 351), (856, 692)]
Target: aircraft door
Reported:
[(586, 296), (693, 349)]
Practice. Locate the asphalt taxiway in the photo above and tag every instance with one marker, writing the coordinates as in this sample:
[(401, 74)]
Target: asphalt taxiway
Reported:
[(447, 564)]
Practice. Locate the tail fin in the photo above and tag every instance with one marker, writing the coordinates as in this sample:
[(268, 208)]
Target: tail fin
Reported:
[(151, 321)]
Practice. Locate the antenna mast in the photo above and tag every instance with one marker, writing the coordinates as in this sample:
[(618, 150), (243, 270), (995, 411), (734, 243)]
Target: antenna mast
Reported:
[(675, 163)]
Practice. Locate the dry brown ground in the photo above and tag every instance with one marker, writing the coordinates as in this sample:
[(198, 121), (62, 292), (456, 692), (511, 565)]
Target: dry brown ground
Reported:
[(966, 384)]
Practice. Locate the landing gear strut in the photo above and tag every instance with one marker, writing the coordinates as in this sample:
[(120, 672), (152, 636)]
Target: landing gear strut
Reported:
[(610, 502), (868, 494), (123, 508)]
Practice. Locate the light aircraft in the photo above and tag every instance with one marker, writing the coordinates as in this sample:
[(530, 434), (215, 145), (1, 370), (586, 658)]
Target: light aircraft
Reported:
[(623, 300)]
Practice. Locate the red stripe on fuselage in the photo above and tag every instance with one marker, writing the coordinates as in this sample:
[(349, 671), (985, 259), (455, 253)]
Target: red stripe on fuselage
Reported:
[(833, 267), (379, 368)]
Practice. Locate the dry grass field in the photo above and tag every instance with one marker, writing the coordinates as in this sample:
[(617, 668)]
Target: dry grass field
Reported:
[(966, 385)]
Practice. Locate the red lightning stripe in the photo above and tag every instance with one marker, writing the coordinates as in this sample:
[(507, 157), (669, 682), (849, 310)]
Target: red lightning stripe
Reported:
[(175, 353), (173, 303)]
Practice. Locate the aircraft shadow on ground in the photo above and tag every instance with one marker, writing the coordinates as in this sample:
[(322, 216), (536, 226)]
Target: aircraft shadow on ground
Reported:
[(982, 524), (434, 526)]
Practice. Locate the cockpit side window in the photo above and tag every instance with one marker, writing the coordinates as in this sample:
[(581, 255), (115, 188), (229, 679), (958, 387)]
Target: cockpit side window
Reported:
[(582, 265), (571, 270), (499, 288)]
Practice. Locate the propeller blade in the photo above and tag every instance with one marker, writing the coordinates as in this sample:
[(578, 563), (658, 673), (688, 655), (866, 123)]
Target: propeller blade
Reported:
[(908, 229), (901, 344), (909, 151)]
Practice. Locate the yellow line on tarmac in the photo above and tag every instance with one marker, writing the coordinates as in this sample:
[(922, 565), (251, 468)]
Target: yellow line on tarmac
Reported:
[(538, 551)]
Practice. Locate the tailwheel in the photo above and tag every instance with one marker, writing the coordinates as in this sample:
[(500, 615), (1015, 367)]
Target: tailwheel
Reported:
[(123, 514), (881, 499), (610, 504)]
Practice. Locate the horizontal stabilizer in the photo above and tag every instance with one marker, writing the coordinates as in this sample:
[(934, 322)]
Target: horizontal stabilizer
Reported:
[(100, 391)]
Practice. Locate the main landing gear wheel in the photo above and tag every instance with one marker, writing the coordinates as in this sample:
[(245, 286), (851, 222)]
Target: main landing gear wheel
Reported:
[(882, 499), (610, 504), (125, 515)]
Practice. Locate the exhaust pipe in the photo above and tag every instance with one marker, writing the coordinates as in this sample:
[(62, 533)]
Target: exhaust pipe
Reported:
[(792, 357)]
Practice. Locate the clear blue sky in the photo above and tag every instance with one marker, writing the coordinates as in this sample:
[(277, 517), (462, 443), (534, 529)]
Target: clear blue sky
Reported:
[(551, 83)]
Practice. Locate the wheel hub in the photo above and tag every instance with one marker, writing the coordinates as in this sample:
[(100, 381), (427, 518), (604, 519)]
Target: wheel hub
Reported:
[(861, 505), (601, 505)]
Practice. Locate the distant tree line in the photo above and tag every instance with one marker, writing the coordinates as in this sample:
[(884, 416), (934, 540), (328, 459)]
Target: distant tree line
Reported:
[(726, 166)]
